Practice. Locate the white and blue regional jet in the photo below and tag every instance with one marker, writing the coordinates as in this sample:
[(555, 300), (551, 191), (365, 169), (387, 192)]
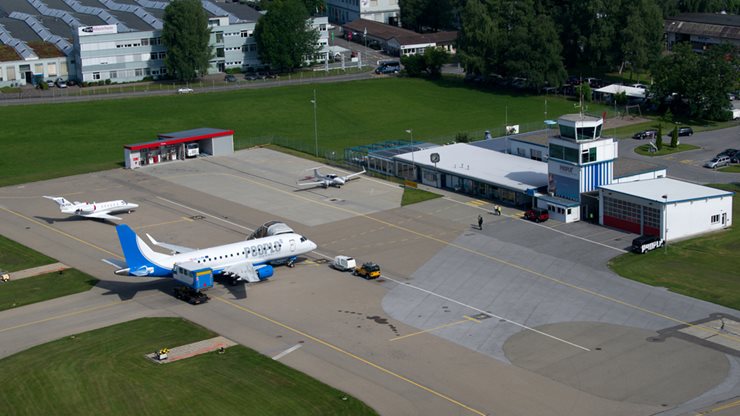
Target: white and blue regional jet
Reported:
[(248, 260)]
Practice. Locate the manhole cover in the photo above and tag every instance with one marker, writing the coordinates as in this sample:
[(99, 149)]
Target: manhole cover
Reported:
[(481, 316), (197, 217)]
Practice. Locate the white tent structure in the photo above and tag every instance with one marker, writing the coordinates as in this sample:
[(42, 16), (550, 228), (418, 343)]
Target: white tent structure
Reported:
[(632, 92)]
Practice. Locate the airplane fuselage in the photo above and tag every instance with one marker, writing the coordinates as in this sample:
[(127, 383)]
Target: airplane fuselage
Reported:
[(110, 207)]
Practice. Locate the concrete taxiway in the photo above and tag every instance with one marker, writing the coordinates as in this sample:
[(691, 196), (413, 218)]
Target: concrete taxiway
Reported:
[(514, 319)]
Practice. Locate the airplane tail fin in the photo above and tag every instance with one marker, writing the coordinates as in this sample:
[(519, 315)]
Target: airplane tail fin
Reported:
[(59, 200), (140, 258)]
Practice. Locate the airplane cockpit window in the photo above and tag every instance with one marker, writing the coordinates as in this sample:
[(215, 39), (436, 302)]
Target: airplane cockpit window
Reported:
[(303, 239)]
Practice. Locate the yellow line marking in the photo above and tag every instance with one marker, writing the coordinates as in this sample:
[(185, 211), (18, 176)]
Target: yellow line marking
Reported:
[(181, 219), (720, 408), (484, 255), (349, 354), (63, 233), (462, 321), (51, 318), (470, 318)]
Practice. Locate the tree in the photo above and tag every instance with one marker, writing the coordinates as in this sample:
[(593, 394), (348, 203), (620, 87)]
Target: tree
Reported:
[(423, 15), (186, 34), (674, 137), (642, 36), (414, 65), (284, 36), (660, 132), (434, 58), (505, 37), (659, 140), (696, 85)]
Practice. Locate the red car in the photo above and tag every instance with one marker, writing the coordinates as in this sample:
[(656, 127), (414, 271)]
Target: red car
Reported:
[(537, 215)]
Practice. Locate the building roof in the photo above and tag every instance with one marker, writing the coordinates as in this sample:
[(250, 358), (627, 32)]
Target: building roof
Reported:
[(181, 137), (490, 166), (403, 36), (721, 26), (579, 117), (618, 89), (539, 137), (674, 190), (628, 167)]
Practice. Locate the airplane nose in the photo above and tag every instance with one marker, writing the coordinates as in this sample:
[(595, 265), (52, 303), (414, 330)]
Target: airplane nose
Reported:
[(311, 245)]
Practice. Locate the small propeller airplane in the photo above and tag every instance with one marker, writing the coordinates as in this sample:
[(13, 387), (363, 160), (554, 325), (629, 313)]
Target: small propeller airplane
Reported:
[(99, 210), (328, 179)]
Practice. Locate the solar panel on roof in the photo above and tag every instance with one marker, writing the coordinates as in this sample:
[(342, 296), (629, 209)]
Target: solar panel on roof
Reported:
[(97, 11), (138, 11), (23, 50), (44, 33)]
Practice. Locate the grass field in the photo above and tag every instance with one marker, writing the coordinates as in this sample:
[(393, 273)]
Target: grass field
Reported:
[(413, 195), (105, 372), (730, 169), (14, 256), (43, 287), (54, 140), (703, 267)]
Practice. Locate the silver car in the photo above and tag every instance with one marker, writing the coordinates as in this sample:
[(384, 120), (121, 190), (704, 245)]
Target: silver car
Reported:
[(717, 162)]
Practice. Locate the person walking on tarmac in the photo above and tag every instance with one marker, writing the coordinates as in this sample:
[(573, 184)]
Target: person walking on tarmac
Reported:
[(497, 210), (480, 222)]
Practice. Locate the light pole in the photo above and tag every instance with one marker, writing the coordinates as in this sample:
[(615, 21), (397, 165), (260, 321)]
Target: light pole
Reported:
[(665, 223), (315, 124), (413, 163)]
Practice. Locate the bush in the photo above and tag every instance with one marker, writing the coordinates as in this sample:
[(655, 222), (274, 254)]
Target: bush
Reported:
[(462, 138), (108, 81)]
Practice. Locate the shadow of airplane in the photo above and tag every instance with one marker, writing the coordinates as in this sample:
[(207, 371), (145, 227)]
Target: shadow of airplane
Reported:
[(127, 290), (73, 218)]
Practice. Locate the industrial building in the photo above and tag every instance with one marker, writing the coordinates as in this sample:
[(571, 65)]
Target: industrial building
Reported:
[(383, 11), (178, 146), (398, 41), (703, 30), (116, 41)]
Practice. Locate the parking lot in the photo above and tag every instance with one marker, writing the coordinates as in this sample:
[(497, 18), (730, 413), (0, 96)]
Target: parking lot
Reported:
[(514, 319)]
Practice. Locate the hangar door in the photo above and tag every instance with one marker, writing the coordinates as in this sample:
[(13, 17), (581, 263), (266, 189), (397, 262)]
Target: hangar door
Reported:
[(630, 216)]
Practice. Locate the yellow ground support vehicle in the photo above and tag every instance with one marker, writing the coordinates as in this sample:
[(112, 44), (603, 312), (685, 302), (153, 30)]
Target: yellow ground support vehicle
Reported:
[(367, 271)]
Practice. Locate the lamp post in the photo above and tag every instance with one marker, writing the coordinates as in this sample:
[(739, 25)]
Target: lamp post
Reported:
[(315, 124), (665, 223), (413, 163)]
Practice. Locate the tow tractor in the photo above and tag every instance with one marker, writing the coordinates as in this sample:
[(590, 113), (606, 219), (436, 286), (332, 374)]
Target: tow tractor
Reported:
[(367, 271), (196, 279)]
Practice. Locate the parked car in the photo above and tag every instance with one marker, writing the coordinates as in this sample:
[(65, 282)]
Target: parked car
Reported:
[(736, 158), (645, 243), (728, 152), (251, 77), (537, 215), (71, 83), (60, 83), (184, 90), (645, 134), (50, 83), (344, 263), (685, 131), (718, 162), (230, 78)]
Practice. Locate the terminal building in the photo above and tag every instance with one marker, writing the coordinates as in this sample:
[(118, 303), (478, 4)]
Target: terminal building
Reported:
[(572, 171)]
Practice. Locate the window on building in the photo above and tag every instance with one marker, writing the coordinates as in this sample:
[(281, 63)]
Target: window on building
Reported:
[(51, 68), (715, 219), (96, 75), (219, 52), (161, 55), (219, 37), (585, 133), (138, 72), (153, 56), (39, 68), (568, 211), (567, 131), (563, 153), (588, 155), (145, 42), (113, 74), (1, 74)]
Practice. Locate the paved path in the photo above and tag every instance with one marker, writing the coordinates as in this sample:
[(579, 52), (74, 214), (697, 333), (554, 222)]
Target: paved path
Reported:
[(196, 348), (35, 271)]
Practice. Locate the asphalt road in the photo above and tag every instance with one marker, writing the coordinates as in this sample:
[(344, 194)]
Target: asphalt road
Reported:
[(515, 319), (688, 165)]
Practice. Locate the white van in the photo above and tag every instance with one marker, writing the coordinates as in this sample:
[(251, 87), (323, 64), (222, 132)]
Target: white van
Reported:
[(344, 263), (192, 149)]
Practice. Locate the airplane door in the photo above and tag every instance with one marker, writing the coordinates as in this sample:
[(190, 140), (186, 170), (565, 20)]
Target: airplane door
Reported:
[(292, 246)]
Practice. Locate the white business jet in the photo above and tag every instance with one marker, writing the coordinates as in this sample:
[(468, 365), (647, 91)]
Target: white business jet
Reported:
[(100, 210), (329, 179), (249, 260)]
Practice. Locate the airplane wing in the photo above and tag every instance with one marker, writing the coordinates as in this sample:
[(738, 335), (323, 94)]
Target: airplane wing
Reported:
[(354, 175), (99, 215), (173, 247), (243, 270), (317, 183)]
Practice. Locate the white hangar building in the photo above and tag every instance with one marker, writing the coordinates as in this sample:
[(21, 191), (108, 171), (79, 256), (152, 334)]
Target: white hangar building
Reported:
[(666, 207)]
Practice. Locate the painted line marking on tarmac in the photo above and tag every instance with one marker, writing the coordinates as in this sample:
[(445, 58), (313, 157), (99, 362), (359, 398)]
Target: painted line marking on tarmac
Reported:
[(164, 223), (500, 318), (720, 408), (351, 355), (469, 250), (65, 315), (62, 233), (462, 321), (205, 213), (286, 352)]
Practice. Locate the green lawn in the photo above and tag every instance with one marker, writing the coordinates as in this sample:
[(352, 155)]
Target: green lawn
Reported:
[(703, 267), (105, 372), (15, 293), (53, 140), (14, 256), (730, 169), (666, 150), (413, 195)]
